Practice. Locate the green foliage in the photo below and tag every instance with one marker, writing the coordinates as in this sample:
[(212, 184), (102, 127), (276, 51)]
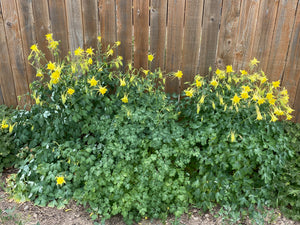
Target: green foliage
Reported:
[(117, 143), (7, 147)]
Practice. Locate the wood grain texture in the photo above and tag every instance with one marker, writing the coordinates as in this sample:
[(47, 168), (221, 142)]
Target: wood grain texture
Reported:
[(264, 31), (158, 23), (107, 16), (291, 77), (281, 39), (75, 26), (42, 25), (90, 23), (297, 105), (7, 84), (228, 32), (174, 42), (210, 30), (141, 33), (246, 33), (1, 97), (191, 40), (14, 44), (59, 24), (27, 30), (124, 30)]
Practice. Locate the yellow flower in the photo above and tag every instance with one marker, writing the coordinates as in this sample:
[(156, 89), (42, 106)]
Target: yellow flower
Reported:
[(53, 45), (54, 81), (150, 57), (263, 80), (60, 180), (49, 37), (79, 51), (229, 69), (189, 92), (278, 111), (253, 78), (110, 52), (289, 110), (34, 48), (244, 95), (125, 99), (254, 62), (214, 83), (55, 75), (201, 101), (218, 72), (178, 74), (11, 128), (99, 38), (93, 82), (71, 91), (273, 118), (232, 136), (236, 99), (90, 61), (39, 73), (288, 117), (51, 66), (246, 88), (102, 90), (272, 101), (198, 83), (243, 72), (90, 51), (284, 92), (259, 116), (146, 72), (118, 43), (122, 82), (261, 101), (4, 125), (276, 84), (269, 96)]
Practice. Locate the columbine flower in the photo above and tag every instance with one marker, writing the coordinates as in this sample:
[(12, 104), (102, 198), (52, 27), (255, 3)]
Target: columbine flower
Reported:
[(4, 125), (110, 52), (254, 62), (232, 136), (278, 111), (272, 101), (288, 117), (39, 73), (49, 37), (55, 75), (289, 110), (118, 43), (79, 51), (273, 118), (178, 74), (246, 88), (276, 84), (90, 61), (229, 69), (93, 82), (34, 48), (90, 51), (236, 99), (99, 38), (261, 101), (214, 83), (189, 92), (259, 116), (60, 180), (122, 82), (269, 96), (125, 99), (198, 83), (244, 95), (243, 72), (102, 90), (51, 66), (53, 45), (146, 72), (263, 80), (70, 91), (150, 57)]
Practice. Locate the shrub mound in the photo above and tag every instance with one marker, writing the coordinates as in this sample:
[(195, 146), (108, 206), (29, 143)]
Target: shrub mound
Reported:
[(117, 143)]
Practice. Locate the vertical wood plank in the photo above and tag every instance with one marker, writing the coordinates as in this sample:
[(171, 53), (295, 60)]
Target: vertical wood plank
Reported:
[(141, 33), (246, 34), (6, 76), (59, 25), (1, 96), (42, 25), (210, 30), (264, 31), (14, 43), (75, 26), (191, 41), (228, 32), (124, 29), (26, 21), (107, 14), (281, 39), (90, 22), (297, 105), (174, 42), (291, 76), (158, 23)]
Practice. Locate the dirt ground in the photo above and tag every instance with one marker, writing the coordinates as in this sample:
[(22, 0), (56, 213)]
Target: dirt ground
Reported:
[(12, 213)]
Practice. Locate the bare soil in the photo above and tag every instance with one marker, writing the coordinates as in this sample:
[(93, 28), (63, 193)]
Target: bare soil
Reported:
[(12, 213)]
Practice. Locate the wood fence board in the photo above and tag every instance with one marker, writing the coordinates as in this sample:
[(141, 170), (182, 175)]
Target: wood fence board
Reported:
[(124, 30), (209, 38), (174, 42), (7, 84), (42, 25), (14, 44), (291, 77), (246, 34), (107, 14), (158, 23), (297, 105), (90, 23), (59, 25), (191, 40), (228, 32), (75, 26), (264, 31), (141, 33), (1, 97), (26, 20), (281, 39)]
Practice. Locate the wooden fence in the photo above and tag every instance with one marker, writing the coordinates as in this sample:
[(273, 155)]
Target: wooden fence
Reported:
[(189, 35)]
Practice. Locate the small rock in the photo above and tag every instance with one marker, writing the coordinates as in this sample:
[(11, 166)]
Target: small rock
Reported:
[(26, 207), (35, 215)]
